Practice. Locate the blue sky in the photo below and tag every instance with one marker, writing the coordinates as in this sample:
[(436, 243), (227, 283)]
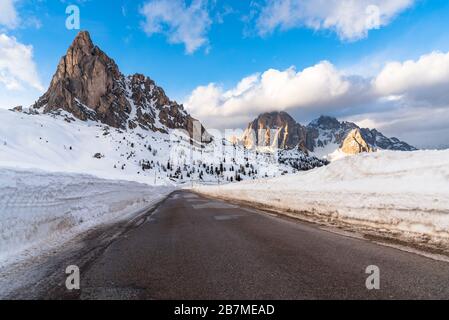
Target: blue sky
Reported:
[(199, 51)]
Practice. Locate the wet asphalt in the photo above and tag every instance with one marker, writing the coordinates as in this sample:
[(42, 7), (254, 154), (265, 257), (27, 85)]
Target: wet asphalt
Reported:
[(195, 248)]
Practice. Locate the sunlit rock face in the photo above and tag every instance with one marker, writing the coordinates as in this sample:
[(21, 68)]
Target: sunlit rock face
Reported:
[(355, 143)]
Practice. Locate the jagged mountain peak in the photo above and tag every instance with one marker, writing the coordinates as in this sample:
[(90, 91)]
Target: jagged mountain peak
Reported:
[(89, 85), (275, 129), (83, 40), (325, 122), (276, 115), (326, 132), (275, 119), (321, 137)]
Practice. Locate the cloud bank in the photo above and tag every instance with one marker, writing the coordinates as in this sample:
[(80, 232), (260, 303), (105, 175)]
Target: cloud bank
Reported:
[(423, 80), (321, 85)]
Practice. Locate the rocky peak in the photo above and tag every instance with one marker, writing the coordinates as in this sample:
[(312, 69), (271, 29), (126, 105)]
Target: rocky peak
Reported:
[(321, 137), (275, 120), (89, 85), (375, 138), (326, 122), (326, 131), (83, 43), (275, 129)]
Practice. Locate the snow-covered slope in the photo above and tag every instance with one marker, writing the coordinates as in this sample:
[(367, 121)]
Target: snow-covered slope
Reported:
[(40, 210), (406, 192), (329, 138)]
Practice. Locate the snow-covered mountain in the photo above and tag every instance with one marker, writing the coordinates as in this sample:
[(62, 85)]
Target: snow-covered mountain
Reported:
[(324, 137), (95, 120), (327, 135)]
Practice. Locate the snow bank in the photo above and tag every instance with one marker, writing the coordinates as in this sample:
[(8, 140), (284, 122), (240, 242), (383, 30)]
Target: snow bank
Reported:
[(40, 209), (406, 192)]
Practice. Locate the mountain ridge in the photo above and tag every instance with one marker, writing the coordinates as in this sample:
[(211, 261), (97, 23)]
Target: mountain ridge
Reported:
[(283, 131)]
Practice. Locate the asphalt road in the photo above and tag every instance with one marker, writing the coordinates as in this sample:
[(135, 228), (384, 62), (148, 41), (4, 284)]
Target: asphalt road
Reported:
[(191, 247)]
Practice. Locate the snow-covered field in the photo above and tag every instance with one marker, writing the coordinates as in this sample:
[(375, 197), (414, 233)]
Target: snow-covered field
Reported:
[(41, 210), (405, 192)]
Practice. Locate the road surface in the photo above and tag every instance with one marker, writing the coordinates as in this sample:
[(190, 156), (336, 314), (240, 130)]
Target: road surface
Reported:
[(192, 247)]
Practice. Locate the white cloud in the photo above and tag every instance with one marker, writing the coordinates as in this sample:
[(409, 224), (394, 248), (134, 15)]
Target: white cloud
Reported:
[(8, 14), (320, 86), (423, 80), (181, 23), (350, 19), (17, 67)]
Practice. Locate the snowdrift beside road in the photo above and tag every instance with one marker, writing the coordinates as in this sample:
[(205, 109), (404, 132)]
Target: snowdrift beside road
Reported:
[(402, 192), (39, 209)]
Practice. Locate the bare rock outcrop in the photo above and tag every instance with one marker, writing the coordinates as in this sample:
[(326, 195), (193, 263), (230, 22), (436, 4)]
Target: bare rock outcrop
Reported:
[(355, 143), (275, 129)]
